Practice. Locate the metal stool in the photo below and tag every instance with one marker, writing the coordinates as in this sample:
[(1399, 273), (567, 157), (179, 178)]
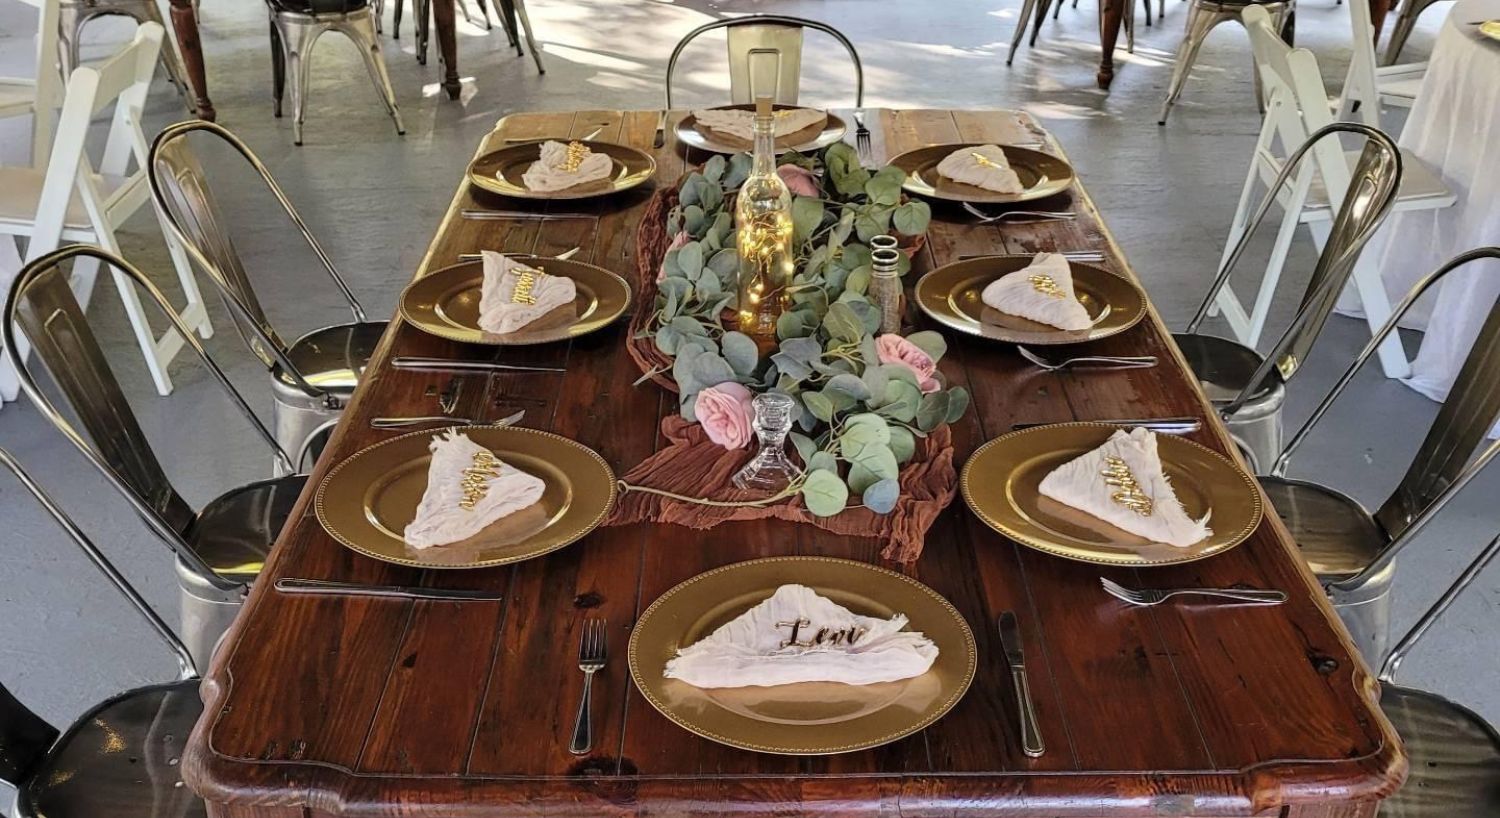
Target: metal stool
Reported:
[(296, 26), (775, 35), (74, 14), (1203, 17), (1406, 22)]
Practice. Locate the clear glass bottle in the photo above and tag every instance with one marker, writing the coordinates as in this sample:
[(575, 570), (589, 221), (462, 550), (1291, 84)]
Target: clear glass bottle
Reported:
[(770, 470), (763, 218)]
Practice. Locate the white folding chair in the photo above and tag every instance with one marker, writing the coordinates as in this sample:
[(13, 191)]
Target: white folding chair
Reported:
[(1369, 86), (1297, 107), (71, 201), (39, 95)]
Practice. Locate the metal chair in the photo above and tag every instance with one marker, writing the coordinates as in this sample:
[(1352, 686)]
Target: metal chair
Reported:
[(1031, 7), (296, 26), (1203, 17), (312, 377), (1455, 753), (513, 18), (772, 35), (220, 547), (1249, 389), (121, 757), (1353, 551), (73, 15), (1406, 23)]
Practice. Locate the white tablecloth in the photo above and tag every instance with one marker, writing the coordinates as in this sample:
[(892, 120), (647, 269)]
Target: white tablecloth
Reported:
[(1455, 128)]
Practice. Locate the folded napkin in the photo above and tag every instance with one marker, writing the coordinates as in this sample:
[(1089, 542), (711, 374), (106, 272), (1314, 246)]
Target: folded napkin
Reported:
[(563, 166), (741, 124), (1041, 291), (1122, 484), (981, 166), (513, 294), (468, 488), (798, 636)]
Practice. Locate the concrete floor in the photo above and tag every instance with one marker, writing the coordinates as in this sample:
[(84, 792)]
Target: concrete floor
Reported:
[(374, 198)]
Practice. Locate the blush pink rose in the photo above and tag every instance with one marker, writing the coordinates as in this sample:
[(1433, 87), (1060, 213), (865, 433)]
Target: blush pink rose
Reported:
[(799, 180), (677, 242), (726, 414), (893, 349)]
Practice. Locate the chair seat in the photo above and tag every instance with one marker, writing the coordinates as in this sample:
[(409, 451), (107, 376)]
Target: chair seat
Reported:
[(17, 96), (1421, 188), (21, 189), (1455, 758), (318, 7), (234, 532), (1399, 84), (334, 357), (1336, 535), (121, 759), (1224, 367)]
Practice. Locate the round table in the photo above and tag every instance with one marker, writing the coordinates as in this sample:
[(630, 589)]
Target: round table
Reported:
[(1455, 128)]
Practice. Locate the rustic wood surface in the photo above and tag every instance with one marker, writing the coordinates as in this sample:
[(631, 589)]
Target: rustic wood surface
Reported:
[(384, 707)]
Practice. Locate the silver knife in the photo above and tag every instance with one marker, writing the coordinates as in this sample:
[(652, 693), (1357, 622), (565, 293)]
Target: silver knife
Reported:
[(444, 420), (1010, 642), (291, 585), (1167, 426), (474, 213), (458, 365)]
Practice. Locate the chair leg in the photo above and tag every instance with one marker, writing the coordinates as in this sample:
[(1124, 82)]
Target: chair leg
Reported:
[(377, 8), (422, 9), (1406, 22), (396, 19), (484, 14), (1036, 26), (1147, 4), (298, 40), (1129, 26), (463, 8), (278, 68), (361, 30), (512, 30), (531, 43), (1057, 9), (1200, 21), (1028, 7)]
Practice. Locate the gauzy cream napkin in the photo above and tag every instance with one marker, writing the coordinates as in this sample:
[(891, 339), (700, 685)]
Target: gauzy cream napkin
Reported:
[(513, 295), (741, 124), (1122, 484), (981, 166), (468, 488), (562, 166), (1041, 291), (798, 636)]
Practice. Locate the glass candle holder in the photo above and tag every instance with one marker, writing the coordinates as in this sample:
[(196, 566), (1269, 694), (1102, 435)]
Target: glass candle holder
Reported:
[(770, 470)]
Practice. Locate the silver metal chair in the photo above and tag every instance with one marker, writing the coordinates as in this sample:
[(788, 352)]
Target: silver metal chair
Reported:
[(220, 547), (121, 757), (1406, 23), (1249, 389), (513, 18), (312, 377), (296, 26), (73, 15), (1455, 753), (1353, 551), (770, 35), (1203, 17), (1039, 9)]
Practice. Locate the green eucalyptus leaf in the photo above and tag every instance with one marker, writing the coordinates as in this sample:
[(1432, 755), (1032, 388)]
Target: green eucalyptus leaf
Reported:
[(930, 342), (686, 402), (912, 218), (805, 446), (740, 351), (712, 196), (958, 403), (667, 339), (878, 459), (805, 350), (866, 427), (862, 477), (690, 259), (875, 377), (688, 192), (848, 384), (689, 326), (843, 323), (819, 405), (856, 255), (903, 443), (710, 369), (858, 280), (789, 326), (693, 220), (824, 493), (713, 169), (883, 190), (901, 400), (825, 461), (739, 170), (881, 496), (807, 214), (932, 412)]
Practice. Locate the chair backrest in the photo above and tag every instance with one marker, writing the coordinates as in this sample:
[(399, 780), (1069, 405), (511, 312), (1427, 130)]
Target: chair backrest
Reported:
[(1361, 83), (46, 310), (1446, 461), (765, 56), (123, 81), (45, 85), (186, 202), (1371, 194), (1425, 621)]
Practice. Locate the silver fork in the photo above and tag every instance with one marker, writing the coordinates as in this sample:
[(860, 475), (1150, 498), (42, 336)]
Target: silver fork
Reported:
[(1070, 255), (1029, 215), (1148, 597), (592, 651), (862, 138), (1095, 361)]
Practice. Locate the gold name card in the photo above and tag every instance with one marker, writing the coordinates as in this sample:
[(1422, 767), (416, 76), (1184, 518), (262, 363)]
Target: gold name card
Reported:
[(577, 152), (823, 636), (475, 480), (1046, 285), (525, 280), (1117, 474)]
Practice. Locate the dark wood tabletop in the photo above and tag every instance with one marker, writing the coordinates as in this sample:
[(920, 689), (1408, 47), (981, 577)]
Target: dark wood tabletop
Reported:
[(353, 706)]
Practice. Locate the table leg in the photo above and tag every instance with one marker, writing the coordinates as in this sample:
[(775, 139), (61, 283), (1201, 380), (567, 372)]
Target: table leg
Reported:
[(185, 25), (442, 19), (1111, 13)]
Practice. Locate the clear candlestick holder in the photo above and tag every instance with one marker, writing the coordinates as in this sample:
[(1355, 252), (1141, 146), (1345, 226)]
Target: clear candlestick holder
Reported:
[(770, 471)]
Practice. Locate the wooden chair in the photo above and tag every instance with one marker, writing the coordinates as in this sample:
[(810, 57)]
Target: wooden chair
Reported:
[(121, 757), (771, 35), (72, 201), (1296, 107), (1368, 86), (39, 95)]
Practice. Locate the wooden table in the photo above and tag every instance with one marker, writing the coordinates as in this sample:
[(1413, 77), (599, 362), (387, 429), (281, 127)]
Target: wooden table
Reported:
[(347, 706)]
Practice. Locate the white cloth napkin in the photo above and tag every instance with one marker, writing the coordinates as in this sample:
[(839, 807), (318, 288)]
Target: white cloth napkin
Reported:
[(748, 651), (557, 169), (981, 166), (741, 124), (1041, 291), (451, 511), (502, 309), (1082, 483)]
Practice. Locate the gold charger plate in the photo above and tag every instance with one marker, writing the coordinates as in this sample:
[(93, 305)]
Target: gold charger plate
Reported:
[(1000, 483), (1042, 173), (445, 303), (804, 141), (366, 501), (499, 171), (950, 295), (810, 718)]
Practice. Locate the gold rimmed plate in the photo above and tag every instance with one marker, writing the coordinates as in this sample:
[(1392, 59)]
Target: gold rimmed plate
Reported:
[(1000, 484), (367, 501), (1042, 174), (499, 171), (811, 138), (445, 303), (951, 296), (808, 718)]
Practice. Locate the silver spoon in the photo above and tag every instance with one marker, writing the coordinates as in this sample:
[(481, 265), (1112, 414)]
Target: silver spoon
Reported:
[(1092, 361)]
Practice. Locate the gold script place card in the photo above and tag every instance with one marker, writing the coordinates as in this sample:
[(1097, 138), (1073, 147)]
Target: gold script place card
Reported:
[(1046, 285), (475, 480), (525, 281), (1117, 474)]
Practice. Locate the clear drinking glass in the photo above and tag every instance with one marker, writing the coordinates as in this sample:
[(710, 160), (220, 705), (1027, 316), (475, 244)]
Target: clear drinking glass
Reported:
[(770, 470)]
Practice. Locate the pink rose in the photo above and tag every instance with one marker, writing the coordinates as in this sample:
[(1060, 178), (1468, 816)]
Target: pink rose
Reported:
[(726, 414), (677, 242), (799, 180), (893, 349)]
